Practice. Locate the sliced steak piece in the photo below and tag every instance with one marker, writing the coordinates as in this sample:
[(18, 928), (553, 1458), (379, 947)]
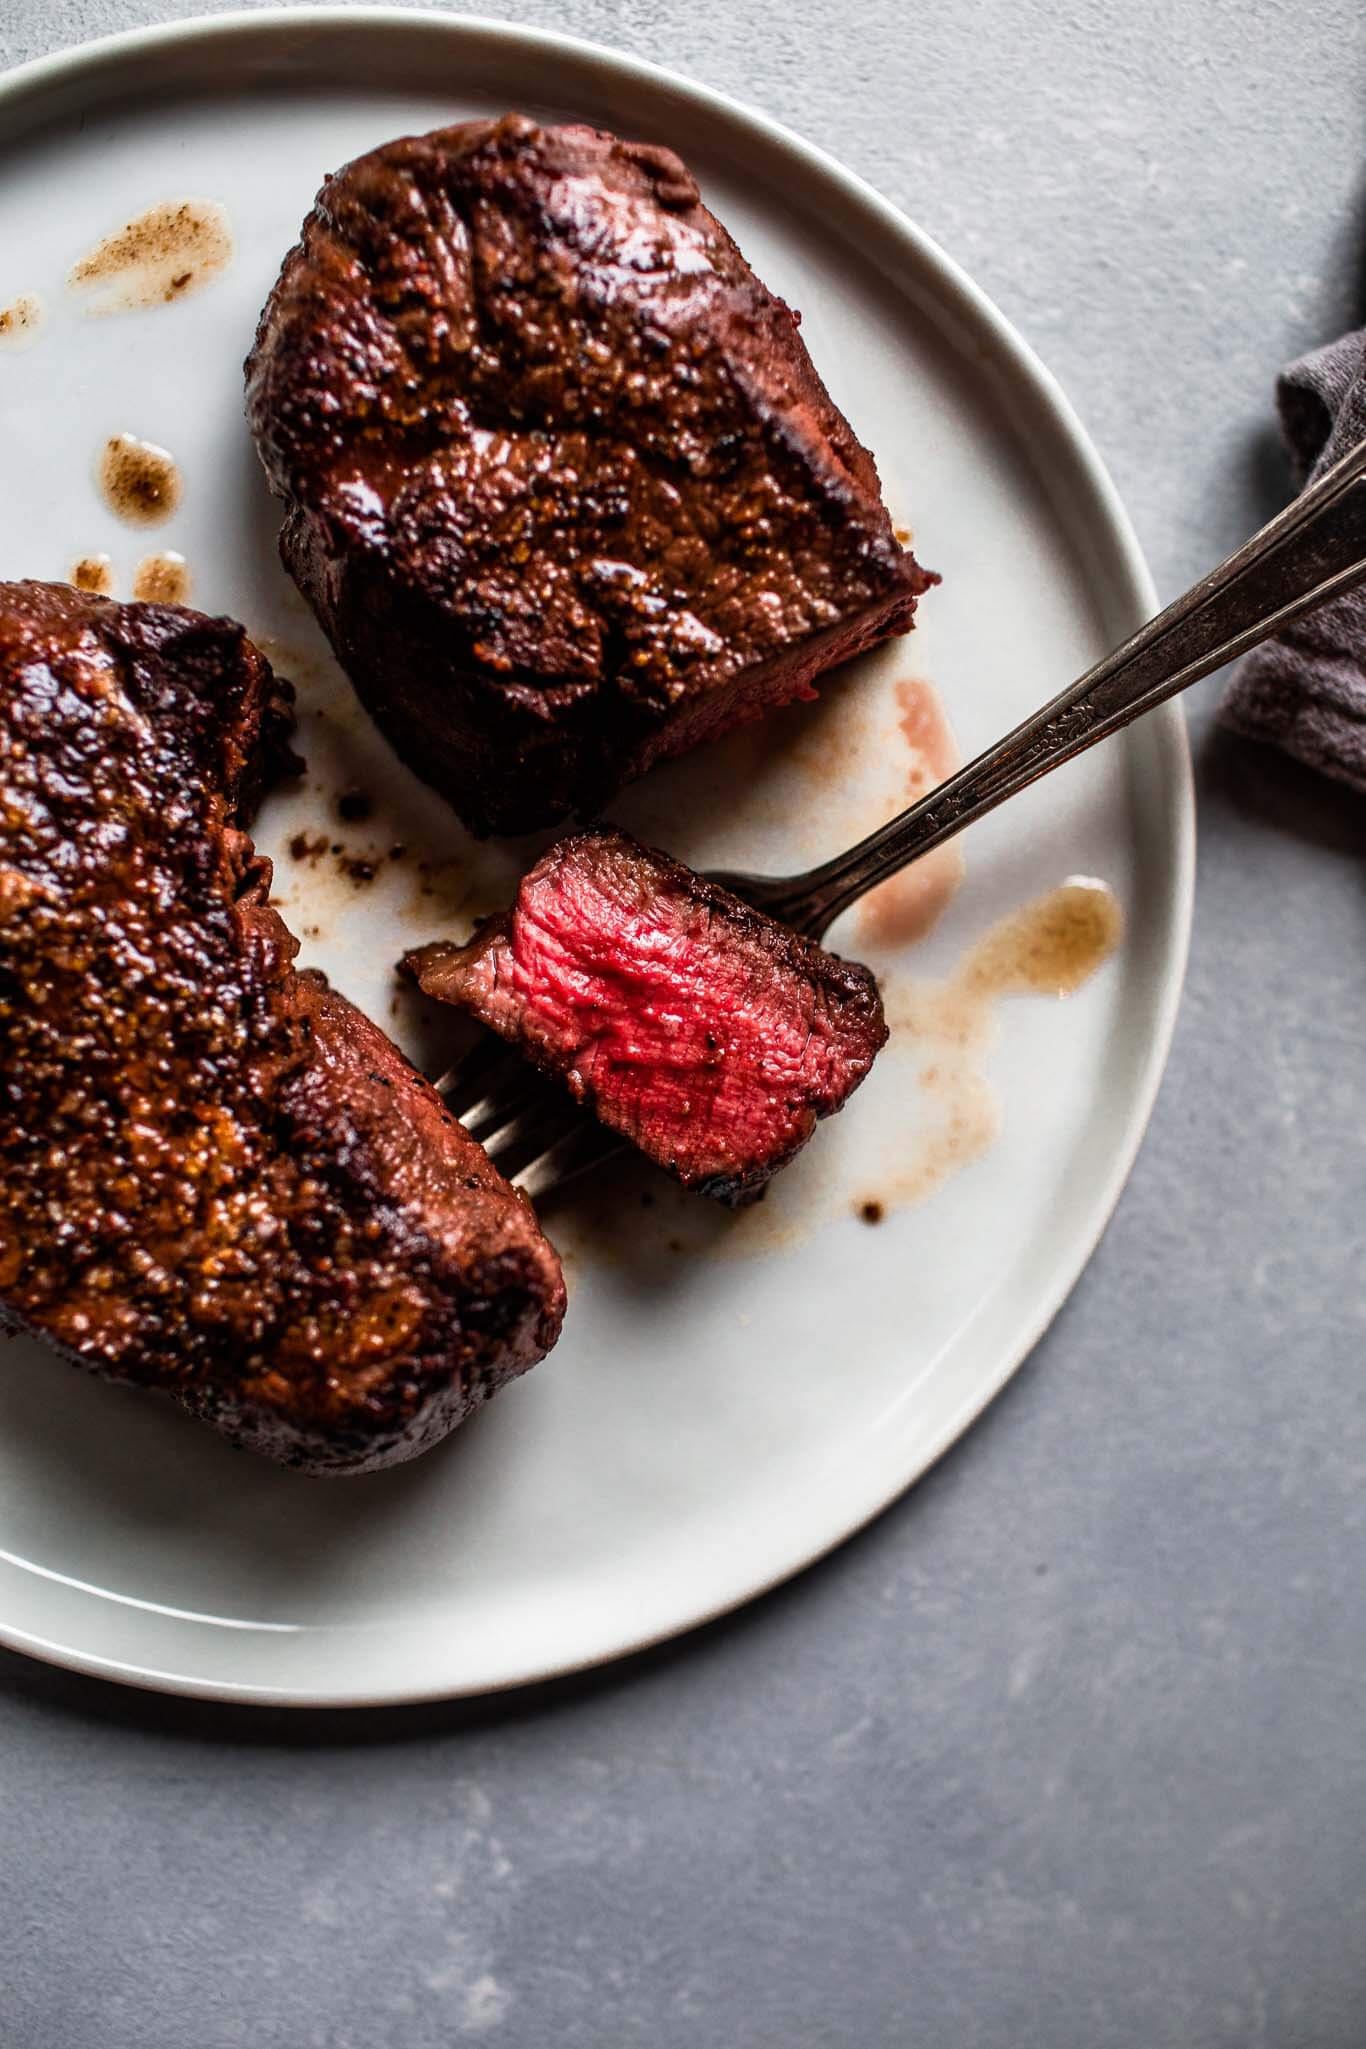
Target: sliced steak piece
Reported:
[(216, 1177), (706, 1033), (560, 479)]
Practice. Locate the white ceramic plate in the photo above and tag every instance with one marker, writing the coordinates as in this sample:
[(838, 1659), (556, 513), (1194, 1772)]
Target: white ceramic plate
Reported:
[(728, 1401)]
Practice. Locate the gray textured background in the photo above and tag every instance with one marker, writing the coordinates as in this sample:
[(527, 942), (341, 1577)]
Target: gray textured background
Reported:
[(1070, 1748)]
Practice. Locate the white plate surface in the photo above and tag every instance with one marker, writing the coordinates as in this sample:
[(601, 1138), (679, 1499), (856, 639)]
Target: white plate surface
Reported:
[(728, 1400)]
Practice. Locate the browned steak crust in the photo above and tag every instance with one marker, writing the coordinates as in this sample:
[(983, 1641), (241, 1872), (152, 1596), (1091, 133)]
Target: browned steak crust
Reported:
[(216, 1177), (560, 478)]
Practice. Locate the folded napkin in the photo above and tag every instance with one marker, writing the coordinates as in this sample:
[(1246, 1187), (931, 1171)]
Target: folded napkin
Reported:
[(1306, 689)]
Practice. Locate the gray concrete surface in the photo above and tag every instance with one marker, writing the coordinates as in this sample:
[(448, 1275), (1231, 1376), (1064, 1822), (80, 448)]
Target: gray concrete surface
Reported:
[(1069, 1750)]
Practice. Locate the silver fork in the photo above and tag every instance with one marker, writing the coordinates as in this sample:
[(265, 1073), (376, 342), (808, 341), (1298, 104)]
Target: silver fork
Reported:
[(1306, 555)]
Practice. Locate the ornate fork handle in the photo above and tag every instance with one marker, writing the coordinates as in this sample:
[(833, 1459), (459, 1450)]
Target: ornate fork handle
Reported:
[(1307, 554)]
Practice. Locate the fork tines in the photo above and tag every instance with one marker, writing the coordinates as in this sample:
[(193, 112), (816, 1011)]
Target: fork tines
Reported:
[(531, 1130)]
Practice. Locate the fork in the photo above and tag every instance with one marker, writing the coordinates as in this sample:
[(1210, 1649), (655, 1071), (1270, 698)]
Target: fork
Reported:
[(1309, 553)]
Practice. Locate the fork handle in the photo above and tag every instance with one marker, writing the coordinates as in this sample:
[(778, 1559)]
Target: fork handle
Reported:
[(1310, 552)]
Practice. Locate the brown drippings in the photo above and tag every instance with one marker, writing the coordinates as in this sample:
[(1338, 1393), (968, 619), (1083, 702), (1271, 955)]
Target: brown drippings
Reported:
[(354, 805), (1048, 947), (871, 1212), (1053, 945), (93, 573), (21, 320), (302, 848), (162, 579), (165, 254), (907, 906), (358, 869), (963, 1119), (140, 481)]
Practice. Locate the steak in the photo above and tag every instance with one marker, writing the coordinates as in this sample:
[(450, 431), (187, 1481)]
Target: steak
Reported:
[(560, 479), (709, 1035), (217, 1178)]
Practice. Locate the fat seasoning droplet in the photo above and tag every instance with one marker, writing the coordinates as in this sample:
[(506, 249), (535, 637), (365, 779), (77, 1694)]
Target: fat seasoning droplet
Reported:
[(140, 481), (353, 805), (1048, 947), (94, 573), (21, 320), (165, 254), (162, 579)]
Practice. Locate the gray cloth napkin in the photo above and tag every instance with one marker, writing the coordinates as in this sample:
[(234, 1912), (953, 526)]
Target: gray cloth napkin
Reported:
[(1306, 690)]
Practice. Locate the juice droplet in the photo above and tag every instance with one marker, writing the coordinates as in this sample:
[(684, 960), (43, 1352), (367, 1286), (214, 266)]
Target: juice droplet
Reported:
[(909, 905), (94, 573), (21, 320), (1048, 947), (162, 579), (163, 255), (139, 480)]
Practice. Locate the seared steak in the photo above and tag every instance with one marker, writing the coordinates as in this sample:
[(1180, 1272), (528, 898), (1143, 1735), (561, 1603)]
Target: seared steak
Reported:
[(560, 479), (216, 1177), (706, 1033)]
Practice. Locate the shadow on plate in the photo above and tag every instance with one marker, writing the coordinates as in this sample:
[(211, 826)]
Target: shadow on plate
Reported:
[(53, 1689), (168, 1483)]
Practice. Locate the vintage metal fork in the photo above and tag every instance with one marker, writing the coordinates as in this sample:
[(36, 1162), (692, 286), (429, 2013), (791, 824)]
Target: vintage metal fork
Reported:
[(1307, 554)]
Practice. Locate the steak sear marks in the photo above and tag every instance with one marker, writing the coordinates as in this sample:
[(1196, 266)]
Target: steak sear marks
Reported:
[(217, 1178), (560, 479)]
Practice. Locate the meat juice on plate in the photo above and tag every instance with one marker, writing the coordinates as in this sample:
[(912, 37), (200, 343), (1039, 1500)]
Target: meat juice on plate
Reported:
[(21, 321), (139, 480), (162, 579), (94, 574), (815, 777), (810, 778), (162, 255)]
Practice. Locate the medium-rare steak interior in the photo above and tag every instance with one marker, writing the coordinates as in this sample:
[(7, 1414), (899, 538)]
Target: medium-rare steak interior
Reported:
[(560, 478), (217, 1178), (706, 1033)]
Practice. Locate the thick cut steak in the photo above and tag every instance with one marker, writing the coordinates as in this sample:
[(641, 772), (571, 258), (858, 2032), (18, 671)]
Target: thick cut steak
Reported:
[(560, 479), (706, 1033), (217, 1178)]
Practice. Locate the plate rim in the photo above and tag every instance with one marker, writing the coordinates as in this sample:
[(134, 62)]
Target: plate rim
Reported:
[(94, 61)]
